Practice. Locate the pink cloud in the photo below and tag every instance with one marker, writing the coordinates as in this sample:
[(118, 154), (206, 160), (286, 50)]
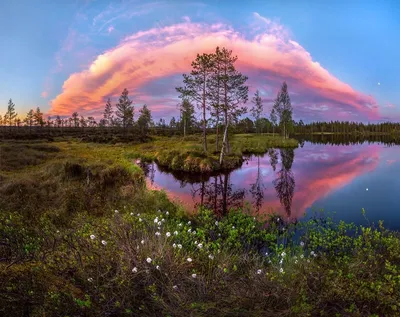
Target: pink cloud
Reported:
[(44, 94), (156, 53)]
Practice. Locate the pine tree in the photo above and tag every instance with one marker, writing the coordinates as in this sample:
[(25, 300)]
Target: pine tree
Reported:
[(195, 87), (10, 114), (75, 119), (108, 113), (144, 120), (257, 109), (29, 120), (38, 117), (274, 119), (172, 123), (125, 110), (187, 115), (283, 108)]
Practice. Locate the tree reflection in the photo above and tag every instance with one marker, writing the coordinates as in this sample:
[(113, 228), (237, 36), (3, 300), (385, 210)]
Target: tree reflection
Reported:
[(285, 183), (218, 194), (257, 189)]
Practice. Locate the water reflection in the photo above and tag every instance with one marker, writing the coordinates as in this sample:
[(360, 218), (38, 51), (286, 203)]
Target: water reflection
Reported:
[(290, 182)]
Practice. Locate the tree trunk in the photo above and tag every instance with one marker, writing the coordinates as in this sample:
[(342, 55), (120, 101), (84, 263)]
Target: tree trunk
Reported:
[(204, 115), (217, 132), (184, 127), (224, 141)]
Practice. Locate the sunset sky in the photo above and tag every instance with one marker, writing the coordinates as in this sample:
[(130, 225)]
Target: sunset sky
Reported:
[(339, 58)]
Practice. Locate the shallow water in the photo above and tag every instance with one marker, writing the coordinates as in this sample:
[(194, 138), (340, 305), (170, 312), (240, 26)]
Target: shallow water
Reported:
[(340, 179)]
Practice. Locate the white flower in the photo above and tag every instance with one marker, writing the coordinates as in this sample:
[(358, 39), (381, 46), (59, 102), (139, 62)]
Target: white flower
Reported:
[(259, 272), (156, 220), (281, 261), (175, 287), (168, 234), (116, 211), (277, 219), (148, 260), (283, 254), (142, 242), (167, 213), (92, 236), (189, 260), (163, 220), (216, 222), (269, 261), (266, 253), (189, 230), (308, 260), (195, 242), (189, 222), (302, 243), (158, 234), (211, 257), (295, 257), (302, 256), (194, 275), (138, 215), (137, 247), (90, 280), (281, 270), (159, 210), (312, 253), (159, 223), (140, 219), (295, 261), (200, 245), (194, 232), (134, 270), (233, 227), (159, 228), (176, 233), (174, 245), (219, 234), (104, 242), (180, 246), (180, 225), (157, 267), (131, 213)]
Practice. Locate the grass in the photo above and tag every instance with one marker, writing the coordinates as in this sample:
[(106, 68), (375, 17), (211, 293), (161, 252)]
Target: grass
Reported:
[(108, 247), (186, 154)]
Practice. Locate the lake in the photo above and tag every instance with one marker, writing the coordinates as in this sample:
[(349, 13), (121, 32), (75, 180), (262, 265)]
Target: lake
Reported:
[(340, 179)]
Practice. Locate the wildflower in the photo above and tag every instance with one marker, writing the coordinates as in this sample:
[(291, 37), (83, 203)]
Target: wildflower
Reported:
[(175, 287), (277, 219), (281, 261), (167, 213), (296, 261), (159, 228), (104, 242), (156, 220), (180, 225), (302, 256), (281, 270), (283, 254), (157, 267), (158, 234), (189, 260), (148, 260), (168, 234), (159, 223), (92, 236), (216, 222), (266, 253), (131, 213), (137, 247), (219, 234), (233, 227), (194, 232), (174, 245), (180, 246), (189, 222), (211, 257), (312, 253), (189, 230), (162, 220), (295, 257), (195, 242), (200, 245), (302, 243), (194, 275), (259, 272), (158, 210), (142, 242), (138, 215), (176, 233), (308, 260), (134, 270), (90, 280), (116, 211), (140, 219)]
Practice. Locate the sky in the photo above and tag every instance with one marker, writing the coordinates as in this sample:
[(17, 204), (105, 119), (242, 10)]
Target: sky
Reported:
[(339, 58)]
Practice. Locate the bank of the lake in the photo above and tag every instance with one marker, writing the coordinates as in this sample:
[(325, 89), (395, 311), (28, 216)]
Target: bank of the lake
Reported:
[(186, 154), (82, 236)]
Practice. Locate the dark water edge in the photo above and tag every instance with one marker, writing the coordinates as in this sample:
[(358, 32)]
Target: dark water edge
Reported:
[(340, 175)]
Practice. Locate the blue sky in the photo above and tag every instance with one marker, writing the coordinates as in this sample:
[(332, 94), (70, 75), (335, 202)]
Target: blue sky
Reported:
[(46, 42)]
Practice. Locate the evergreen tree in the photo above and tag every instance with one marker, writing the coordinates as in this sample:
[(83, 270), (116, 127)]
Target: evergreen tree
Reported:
[(187, 115), (125, 110), (38, 116), (108, 114), (274, 119), (75, 119), (29, 120), (195, 87), (172, 123), (283, 108), (257, 109), (144, 120), (10, 114)]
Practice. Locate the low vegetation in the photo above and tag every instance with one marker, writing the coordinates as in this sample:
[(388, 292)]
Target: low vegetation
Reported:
[(80, 235)]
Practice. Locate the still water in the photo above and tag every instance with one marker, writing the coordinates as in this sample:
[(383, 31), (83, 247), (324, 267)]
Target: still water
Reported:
[(340, 179)]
